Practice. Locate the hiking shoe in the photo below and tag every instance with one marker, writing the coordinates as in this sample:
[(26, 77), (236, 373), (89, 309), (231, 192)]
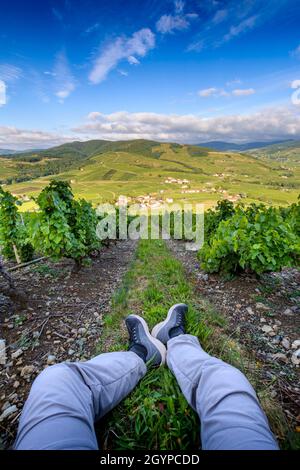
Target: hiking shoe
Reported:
[(173, 325), (142, 343)]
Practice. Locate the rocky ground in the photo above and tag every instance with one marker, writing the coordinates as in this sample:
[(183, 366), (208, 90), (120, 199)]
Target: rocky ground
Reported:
[(264, 315), (61, 321)]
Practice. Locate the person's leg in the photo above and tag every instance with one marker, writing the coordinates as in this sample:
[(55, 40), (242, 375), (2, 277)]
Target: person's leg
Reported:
[(66, 399), (228, 408), (230, 414)]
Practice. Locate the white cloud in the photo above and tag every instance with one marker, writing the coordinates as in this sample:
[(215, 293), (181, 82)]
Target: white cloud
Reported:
[(196, 46), (220, 92), (192, 16), (175, 22), (92, 28), (58, 15), (243, 92), (41, 84), (94, 115), (179, 6), (123, 73), (122, 48), (241, 28), (133, 60), (10, 73), (169, 23), (224, 93), (220, 16), (295, 84), (64, 80), (225, 20), (19, 139), (267, 124), (236, 81), (63, 94), (208, 92), (2, 93), (296, 52)]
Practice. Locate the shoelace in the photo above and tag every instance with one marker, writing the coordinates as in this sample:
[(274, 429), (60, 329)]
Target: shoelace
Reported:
[(179, 320), (134, 335)]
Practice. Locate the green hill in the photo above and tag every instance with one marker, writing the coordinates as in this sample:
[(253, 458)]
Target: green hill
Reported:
[(285, 152), (24, 166), (102, 170), (286, 157)]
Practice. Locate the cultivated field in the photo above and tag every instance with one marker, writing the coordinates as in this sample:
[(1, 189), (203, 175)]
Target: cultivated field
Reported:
[(139, 169)]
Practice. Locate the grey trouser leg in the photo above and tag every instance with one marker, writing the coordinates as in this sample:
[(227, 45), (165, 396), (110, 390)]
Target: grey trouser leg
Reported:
[(66, 399), (230, 414)]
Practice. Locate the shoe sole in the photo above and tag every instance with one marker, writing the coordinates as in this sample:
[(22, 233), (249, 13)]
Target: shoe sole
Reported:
[(160, 325), (158, 344)]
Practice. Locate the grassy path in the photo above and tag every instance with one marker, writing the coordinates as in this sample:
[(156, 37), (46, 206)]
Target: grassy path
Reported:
[(156, 415)]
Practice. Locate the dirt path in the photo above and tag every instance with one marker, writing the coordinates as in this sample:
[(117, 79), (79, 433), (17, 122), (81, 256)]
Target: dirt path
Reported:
[(263, 315), (62, 321)]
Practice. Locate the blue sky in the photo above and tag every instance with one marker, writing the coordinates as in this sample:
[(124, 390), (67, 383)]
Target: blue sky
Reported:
[(185, 71)]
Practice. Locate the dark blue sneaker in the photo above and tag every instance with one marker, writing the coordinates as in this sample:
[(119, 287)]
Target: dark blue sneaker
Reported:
[(173, 325), (142, 343)]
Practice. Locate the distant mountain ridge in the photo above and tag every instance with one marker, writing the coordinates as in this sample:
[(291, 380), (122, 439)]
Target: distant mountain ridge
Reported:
[(227, 146), (17, 152), (7, 152), (84, 149)]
